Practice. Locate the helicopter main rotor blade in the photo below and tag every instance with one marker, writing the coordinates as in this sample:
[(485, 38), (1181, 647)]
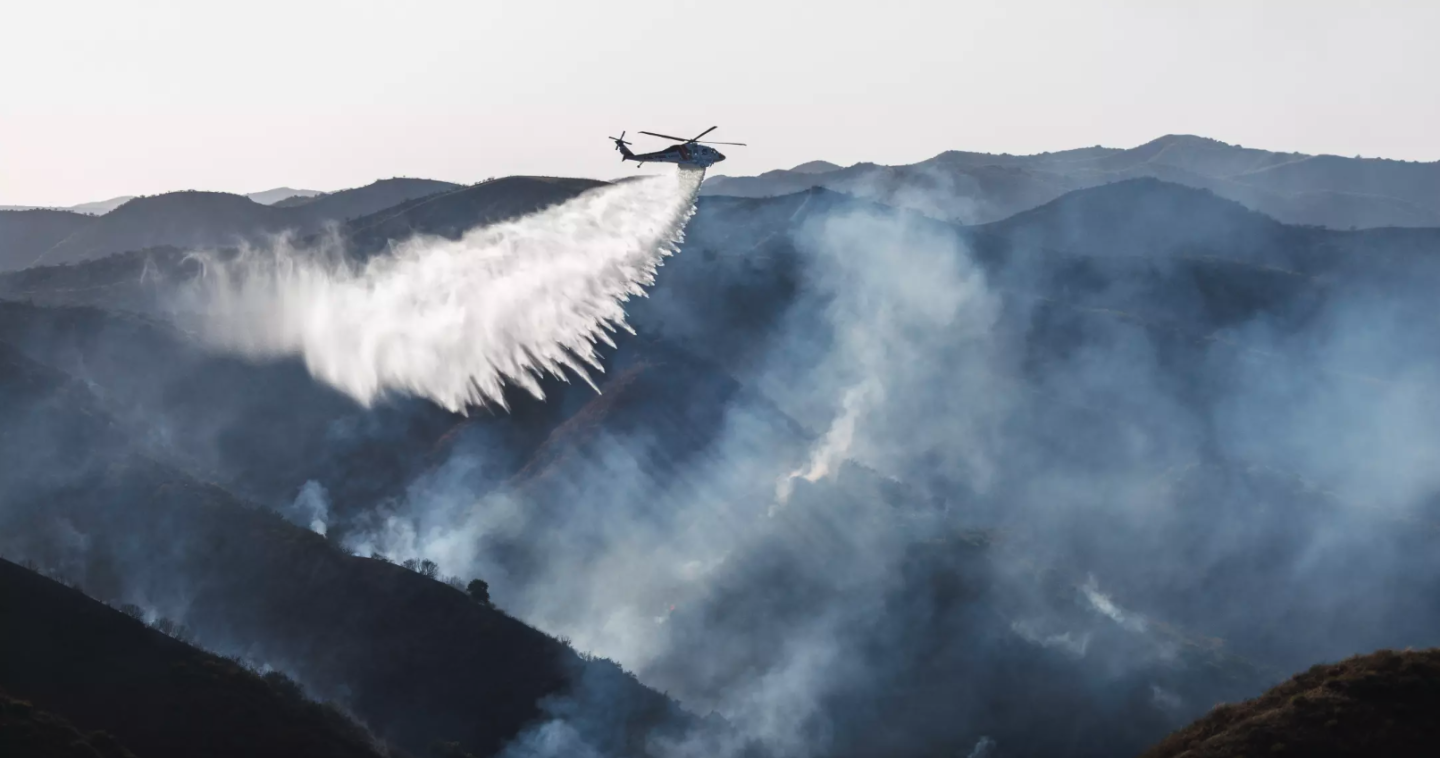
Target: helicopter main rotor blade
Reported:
[(703, 142), (666, 136), (697, 137)]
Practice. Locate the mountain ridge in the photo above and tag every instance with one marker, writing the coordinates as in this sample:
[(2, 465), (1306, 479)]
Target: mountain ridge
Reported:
[(191, 219), (157, 695), (1294, 188)]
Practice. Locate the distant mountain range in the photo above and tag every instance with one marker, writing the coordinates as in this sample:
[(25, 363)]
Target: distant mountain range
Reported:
[(97, 208), (131, 280), (102, 207), (189, 220), (280, 194), (976, 188)]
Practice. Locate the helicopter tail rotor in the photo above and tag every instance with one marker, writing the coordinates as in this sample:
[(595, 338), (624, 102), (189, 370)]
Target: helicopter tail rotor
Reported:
[(620, 144)]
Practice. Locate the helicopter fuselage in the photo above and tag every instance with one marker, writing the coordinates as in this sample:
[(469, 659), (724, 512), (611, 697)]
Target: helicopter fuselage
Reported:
[(691, 154)]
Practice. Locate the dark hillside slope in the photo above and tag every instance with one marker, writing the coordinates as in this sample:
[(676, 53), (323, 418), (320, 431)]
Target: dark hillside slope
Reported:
[(1370, 705), (139, 281), (28, 731), (26, 235), (1190, 256), (416, 659), (1151, 218), (69, 654)]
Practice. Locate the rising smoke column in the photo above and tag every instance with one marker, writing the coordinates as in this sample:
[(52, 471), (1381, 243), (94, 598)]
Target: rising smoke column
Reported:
[(455, 320)]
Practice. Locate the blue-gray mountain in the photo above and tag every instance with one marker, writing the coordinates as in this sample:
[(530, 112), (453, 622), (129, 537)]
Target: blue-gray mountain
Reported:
[(188, 220), (976, 188)]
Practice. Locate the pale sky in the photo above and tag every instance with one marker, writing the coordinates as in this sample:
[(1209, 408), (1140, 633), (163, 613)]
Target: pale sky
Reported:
[(99, 99)]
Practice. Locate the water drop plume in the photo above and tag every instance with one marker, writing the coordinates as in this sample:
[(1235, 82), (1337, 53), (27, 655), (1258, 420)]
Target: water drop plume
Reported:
[(455, 320)]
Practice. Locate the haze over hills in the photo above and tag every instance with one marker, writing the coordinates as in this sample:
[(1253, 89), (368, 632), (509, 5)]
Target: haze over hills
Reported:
[(189, 220), (26, 234), (1055, 484), (974, 188), (97, 208), (101, 207)]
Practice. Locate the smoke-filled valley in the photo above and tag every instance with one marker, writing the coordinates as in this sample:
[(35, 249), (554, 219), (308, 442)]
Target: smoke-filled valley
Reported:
[(835, 478)]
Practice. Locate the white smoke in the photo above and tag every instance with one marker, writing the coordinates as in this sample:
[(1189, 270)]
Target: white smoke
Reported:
[(1102, 603), (985, 748), (312, 507), (456, 320), (835, 445), (1068, 642)]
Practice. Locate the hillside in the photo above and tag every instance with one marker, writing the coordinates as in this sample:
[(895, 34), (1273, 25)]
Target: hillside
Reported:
[(28, 731), (1146, 217), (413, 657), (189, 220), (978, 188), (261, 430), (182, 219), (1378, 704), (71, 655), (350, 204), (26, 235)]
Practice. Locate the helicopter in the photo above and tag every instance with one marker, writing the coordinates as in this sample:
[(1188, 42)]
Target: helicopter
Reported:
[(690, 152)]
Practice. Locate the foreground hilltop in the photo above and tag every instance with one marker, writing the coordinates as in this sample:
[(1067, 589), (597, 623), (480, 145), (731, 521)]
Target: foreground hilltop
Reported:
[(1371, 705), (69, 660)]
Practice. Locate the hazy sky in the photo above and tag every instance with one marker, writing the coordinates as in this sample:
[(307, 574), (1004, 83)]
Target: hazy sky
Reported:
[(99, 99)]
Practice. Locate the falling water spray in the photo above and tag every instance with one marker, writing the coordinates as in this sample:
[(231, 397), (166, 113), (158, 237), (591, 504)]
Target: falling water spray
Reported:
[(456, 320)]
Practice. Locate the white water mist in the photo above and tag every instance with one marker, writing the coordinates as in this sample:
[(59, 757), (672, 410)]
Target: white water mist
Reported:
[(456, 320)]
